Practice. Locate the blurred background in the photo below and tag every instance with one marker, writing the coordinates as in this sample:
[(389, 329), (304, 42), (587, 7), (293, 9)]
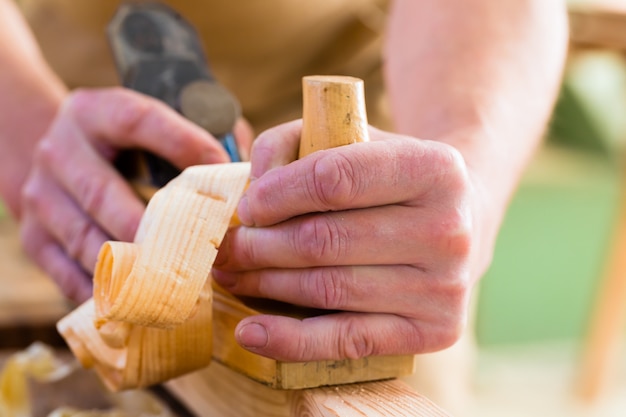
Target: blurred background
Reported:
[(556, 234), (553, 255), (552, 269)]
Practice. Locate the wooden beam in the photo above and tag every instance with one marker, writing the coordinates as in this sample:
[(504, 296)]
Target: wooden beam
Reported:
[(372, 399), (229, 310), (603, 28), (597, 27), (606, 326), (218, 391)]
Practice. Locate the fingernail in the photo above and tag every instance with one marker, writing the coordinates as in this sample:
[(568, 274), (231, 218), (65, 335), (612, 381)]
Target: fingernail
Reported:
[(243, 211), (253, 335)]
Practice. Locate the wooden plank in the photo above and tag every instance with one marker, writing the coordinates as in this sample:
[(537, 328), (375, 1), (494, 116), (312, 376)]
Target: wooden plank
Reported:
[(228, 311), (597, 27), (603, 27), (372, 399), (219, 391), (605, 330)]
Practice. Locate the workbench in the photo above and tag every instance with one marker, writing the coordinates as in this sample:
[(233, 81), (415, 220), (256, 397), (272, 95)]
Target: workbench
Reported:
[(30, 303)]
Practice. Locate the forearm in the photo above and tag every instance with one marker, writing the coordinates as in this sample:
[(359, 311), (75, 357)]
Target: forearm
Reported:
[(487, 88), (31, 94)]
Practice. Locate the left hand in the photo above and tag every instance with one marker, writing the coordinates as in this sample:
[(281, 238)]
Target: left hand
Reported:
[(74, 199), (379, 231)]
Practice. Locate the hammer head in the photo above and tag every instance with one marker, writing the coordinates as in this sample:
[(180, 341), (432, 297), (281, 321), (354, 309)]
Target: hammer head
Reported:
[(158, 53)]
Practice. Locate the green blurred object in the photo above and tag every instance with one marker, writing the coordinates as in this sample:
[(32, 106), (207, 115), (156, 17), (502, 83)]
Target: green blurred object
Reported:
[(550, 252), (570, 124), (553, 245), (590, 112), (2, 210)]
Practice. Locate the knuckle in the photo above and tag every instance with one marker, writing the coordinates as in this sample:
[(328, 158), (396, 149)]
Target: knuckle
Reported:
[(450, 159), (459, 233), (334, 181), (416, 337), (77, 238), (263, 196), (262, 145), (435, 336), (84, 100), (327, 287), (452, 324), (453, 289), (455, 159), (76, 101), (450, 334), (129, 114), (91, 192), (320, 239), (458, 291), (46, 153), (453, 232), (31, 194), (355, 342), (451, 171), (306, 348), (245, 245)]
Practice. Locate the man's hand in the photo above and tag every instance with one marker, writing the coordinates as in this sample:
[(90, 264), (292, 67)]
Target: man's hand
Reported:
[(74, 199), (380, 231)]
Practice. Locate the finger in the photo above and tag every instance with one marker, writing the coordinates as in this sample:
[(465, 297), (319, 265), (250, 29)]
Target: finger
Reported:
[(275, 147), (93, 183), (73, 282), (340, 336), (377, 236), (399, 170), (68, 225), (125, 119), (244, 136), (398, 289)]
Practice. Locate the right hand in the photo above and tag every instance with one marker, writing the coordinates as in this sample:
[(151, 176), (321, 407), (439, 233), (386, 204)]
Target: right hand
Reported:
[(74, 199), (388, 236)]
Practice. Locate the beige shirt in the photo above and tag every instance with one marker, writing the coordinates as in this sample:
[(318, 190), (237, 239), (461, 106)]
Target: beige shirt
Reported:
[(259, 49)]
